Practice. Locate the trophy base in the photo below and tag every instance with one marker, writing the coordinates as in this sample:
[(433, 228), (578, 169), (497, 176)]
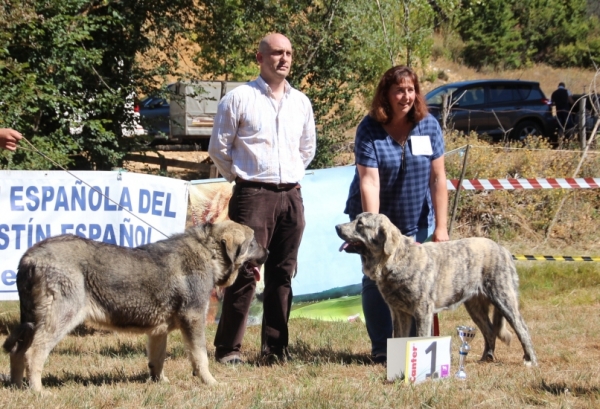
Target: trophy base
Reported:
[(461, 375)]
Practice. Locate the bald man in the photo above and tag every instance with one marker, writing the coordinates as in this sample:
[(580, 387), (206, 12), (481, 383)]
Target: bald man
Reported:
[(263, 139), (9, 138)]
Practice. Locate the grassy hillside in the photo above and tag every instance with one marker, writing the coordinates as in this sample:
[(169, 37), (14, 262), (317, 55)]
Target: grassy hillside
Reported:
[(577, 80)]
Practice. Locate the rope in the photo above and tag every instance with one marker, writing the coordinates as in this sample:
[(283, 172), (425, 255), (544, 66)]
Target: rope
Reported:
[(528, 149), (34, 149)]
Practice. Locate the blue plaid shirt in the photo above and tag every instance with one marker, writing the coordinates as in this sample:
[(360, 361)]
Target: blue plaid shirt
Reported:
[(404, 194)]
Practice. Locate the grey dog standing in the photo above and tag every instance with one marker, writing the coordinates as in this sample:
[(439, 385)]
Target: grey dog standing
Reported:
[(420, 280), (152, 289)]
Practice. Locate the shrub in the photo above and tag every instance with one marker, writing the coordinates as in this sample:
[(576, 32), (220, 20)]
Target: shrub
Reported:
[(525, 214)]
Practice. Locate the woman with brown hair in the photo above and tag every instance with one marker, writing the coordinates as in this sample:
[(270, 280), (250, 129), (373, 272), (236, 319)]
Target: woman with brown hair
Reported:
[(399, 155)]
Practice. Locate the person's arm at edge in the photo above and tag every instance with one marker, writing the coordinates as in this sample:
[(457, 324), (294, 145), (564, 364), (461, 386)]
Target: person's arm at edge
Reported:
[(308, 140), (9, 138), (221, 140), (369, 188), (439, 198)]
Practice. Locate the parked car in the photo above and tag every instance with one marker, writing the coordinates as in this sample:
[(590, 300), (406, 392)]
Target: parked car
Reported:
[(154, 113), (494, 107)]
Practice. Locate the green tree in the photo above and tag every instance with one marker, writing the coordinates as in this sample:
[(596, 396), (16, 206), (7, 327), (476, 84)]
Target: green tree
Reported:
[(547, 24), (491, 34), (593, 7), (507, 34), (323, 55), (393, 32), (72, 63), (225, 32)]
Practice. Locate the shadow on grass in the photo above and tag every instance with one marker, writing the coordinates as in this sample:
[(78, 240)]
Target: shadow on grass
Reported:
[(52, 381), (123, 350), (302, 355), (119, 350), (318, 356), (560, 388)]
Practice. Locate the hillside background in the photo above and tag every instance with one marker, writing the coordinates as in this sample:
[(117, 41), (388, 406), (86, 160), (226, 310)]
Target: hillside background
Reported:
[(82, 64)]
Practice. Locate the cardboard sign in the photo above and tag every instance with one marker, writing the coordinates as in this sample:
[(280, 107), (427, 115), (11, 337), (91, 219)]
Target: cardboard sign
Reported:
[(415, 360)]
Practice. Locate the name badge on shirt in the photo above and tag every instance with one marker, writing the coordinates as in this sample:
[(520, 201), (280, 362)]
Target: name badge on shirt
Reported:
[(421, 145)]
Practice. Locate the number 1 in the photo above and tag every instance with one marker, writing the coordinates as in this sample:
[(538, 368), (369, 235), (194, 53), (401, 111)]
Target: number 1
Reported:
[(433, 349)]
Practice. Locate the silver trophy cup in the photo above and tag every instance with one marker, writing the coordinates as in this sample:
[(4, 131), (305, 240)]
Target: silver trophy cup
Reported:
[(466, 334)]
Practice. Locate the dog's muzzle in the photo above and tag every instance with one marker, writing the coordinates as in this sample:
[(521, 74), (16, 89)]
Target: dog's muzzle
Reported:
[(352, 247)]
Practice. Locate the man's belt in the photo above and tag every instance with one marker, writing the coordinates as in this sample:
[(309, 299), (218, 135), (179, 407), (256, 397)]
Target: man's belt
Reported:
[(269, 186)]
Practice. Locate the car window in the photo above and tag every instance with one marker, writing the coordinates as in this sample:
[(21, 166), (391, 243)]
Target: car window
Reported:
[(154, 102), (469, 96), (435, 96), (160, 102), (531, 94), (146, 101), (503, 93)]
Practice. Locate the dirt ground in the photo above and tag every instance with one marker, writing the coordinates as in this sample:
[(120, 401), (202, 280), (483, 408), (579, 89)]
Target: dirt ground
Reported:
[(200, 157)]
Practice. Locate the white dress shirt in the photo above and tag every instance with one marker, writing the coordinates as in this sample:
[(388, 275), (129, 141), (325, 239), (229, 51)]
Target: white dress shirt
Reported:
[(258, 139)]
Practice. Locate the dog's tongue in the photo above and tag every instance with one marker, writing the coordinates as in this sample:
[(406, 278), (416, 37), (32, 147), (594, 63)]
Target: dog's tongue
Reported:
[(343, 246), (256, 272)]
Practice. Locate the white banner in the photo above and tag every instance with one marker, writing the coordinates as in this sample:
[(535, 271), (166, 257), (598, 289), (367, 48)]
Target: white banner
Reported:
[(122, 208), (321, 266)]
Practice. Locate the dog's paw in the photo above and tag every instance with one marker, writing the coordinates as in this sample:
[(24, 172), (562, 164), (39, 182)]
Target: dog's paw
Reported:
[(157, 379), (488, 357), (210, 381)]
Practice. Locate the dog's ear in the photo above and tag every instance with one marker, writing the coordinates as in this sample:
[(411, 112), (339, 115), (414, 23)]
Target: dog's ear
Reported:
[(232, 245), (390, 236)]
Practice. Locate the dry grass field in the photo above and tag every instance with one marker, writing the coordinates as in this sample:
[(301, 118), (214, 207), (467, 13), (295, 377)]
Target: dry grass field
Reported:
[(331, 369), (578, 80), (560, 303)]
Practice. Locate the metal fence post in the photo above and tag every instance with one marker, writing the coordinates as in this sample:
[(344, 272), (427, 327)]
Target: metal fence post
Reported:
[(458, 189), (581, 114)]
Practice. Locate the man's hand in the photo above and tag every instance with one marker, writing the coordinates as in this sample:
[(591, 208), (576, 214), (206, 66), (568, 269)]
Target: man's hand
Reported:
[(9, 138)]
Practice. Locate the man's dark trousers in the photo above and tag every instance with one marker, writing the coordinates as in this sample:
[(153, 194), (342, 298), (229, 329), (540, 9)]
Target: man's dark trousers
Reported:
[(277, 217)]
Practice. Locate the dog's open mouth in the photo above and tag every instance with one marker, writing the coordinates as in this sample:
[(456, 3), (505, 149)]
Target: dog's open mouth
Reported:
[(352, 246), (254, 269)]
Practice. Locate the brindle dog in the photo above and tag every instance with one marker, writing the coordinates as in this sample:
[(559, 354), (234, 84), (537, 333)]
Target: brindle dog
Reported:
[(420, 280), (153, 289)]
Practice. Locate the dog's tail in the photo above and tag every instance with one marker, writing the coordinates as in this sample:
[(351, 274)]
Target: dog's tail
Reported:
[(20, 338), (500, 327)]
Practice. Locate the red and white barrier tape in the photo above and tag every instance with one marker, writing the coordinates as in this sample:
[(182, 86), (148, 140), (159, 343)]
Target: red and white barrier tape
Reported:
[(537, 183)]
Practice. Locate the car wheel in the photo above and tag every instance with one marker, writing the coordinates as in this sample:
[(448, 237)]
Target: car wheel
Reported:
[(526, 128)]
